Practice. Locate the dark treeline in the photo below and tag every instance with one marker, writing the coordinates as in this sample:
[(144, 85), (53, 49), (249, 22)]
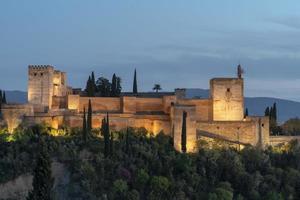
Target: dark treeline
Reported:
[(103, 87), (140, 166), (290, 127)]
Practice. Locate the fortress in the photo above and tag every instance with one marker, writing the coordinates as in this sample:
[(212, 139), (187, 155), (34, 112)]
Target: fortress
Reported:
[(220, 116)]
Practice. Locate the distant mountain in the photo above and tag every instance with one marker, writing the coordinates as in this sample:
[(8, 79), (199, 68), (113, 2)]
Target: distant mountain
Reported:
[(256, 105)]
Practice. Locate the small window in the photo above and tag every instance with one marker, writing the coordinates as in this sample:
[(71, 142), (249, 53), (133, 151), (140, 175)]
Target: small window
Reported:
[(228, 89), (263, 125), (42, 74), (34, 74)]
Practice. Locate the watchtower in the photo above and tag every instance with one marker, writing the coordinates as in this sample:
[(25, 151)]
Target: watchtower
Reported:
[(227, 96), (40, 85)]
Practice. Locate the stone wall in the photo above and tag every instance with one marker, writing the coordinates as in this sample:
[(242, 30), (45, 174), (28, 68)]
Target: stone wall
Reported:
[(124, 104), (13, 114), (277, 140), (40, 85), (176, 126), (101, 104), (254, 131), (59, 84), (227, 96), (149, 105), (59, 102), (153, 123), (203, 108)]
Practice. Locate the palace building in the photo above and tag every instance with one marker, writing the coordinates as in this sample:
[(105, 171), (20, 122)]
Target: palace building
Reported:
[(221, 115)]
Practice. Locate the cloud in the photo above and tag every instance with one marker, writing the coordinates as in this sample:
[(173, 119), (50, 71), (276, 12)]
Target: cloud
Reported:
[(287, 21)]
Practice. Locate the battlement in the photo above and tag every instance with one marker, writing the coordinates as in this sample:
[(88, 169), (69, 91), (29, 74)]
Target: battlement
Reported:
[(40, 67)]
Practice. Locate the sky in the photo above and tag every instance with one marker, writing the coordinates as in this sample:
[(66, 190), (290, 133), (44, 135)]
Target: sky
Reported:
[(176, 43)]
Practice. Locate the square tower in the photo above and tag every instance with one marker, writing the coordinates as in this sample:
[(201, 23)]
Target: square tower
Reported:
[(40, 85), (227, 96)]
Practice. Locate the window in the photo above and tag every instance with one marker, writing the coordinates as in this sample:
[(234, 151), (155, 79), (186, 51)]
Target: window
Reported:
[(34, 74), (228, 89), (42, 74)]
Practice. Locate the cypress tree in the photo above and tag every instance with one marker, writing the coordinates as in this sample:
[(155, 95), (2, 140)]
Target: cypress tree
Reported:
[(135, 89), (119, 87), (93, 83), (89, 119), (183, 132), (275, 111), (246, 112), (111, 144), (106, 134), (267, 111), (271, 113), (1, 96), (106, 137), (127, 141), (90, 87), (84, 127), (113, 92), (4, 98), (42, 181)]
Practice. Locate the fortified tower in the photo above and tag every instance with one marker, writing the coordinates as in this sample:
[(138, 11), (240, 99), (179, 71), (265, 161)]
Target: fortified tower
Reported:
[(47, 87), (227, 96), (40, 85)]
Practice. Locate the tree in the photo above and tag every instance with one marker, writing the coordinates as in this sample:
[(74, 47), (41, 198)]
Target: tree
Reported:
[(246, 113), (89, 89), (159, 186), (89, 119), (93, 81), (106, 135), (135, 89), (111, 149), (113, 92), (127, 141), (120, 189), (84, 127), (267, 111), (104, 87), (4, 98), (156, 87), (119, 87), (183, 132), (275, 112), (42, 181)]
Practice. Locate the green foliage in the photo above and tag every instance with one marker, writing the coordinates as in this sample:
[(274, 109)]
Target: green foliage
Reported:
[(84, 127), (42, 180), (105, 88), (120, 189), (89, 119), (156, 87), (148, 167), (291, 127)]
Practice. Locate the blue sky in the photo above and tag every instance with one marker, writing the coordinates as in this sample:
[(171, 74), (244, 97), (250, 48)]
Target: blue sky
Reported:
[(172, 42)]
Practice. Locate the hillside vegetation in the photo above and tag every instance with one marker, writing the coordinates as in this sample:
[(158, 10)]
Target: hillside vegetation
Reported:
[(141, 166)]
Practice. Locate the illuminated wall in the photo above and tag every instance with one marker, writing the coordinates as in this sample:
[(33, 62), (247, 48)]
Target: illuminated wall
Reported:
[(13, 115), (40, 85), (176, 126), (227, 96)]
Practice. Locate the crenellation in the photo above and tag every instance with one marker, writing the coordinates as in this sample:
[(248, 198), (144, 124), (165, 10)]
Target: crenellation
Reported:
[(221, 115)]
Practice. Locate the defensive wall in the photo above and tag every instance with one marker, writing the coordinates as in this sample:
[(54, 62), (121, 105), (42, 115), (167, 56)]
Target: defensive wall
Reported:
[(221, 115)]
